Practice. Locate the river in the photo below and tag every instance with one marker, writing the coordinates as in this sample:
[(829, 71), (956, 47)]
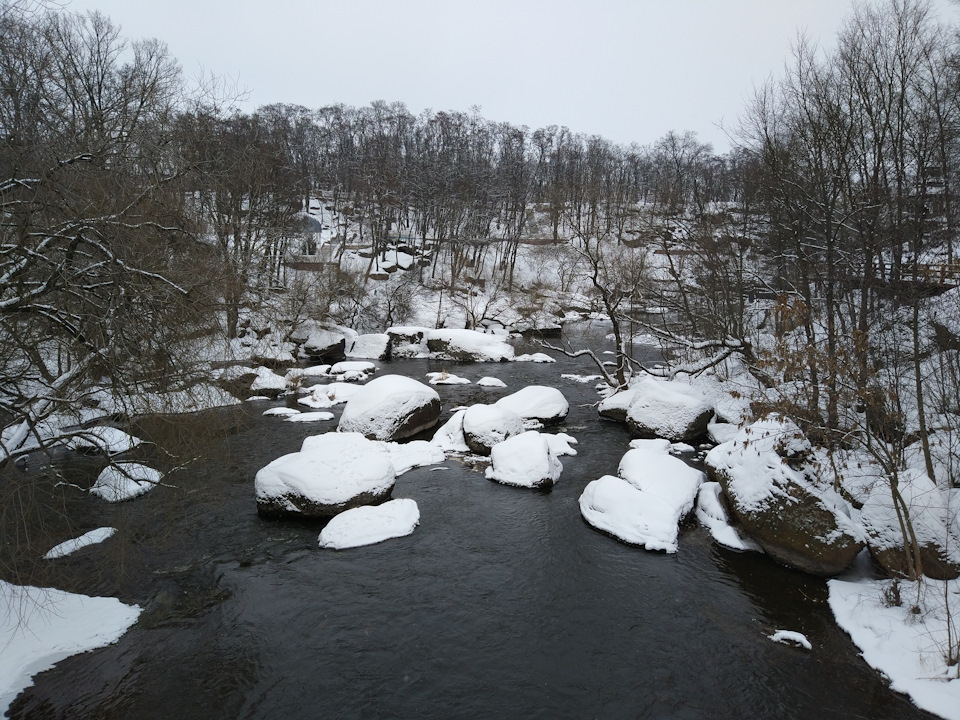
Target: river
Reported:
[(503, 603)]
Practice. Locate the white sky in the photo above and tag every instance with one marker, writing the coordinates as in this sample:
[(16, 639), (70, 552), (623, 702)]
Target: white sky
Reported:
[(629, 70)]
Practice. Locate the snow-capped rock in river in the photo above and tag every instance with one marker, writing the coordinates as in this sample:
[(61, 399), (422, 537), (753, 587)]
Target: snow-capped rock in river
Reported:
[(369, 525), (268, 383), (68, 547), (125, 481), (332, 472), (408, 342), (644, 506), (391, 407), (537, 402), (665, 409), (352, 370), (524, 460), (323, 344), (468, 346), (103, 438), (372, 346), (797, 522), (486, 425), (325, 396)]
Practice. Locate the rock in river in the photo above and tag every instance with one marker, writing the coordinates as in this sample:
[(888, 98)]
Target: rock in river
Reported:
[(332, 472), (796, 521), (486, 425), (391, 407)]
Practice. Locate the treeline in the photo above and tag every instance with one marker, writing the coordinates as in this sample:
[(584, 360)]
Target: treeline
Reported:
[(134, 209)]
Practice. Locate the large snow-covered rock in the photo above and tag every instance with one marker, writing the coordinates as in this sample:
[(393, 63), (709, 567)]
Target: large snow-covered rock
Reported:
[(644, 506), (369, 525), (537, 402), (796, 521), (323, 344), (934, 523), (373, 346), (268, 383), (524, 460), (391, 407), (614, 506), (615, 406), (671, 410), (332, 472), (468, 346), (408, 342), (486, 425), (125, 481)]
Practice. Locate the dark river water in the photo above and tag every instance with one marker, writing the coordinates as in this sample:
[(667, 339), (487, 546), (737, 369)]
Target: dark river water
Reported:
[(502, 604)]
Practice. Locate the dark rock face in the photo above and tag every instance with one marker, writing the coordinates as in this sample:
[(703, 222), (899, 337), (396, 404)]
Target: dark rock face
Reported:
[(794, 528), (933, 562), (295, 505), (423, 418), (325, 345), (406, 342)]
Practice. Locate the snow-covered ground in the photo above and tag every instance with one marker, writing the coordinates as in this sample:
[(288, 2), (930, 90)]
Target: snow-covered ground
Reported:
[(907, 646), (41, 626)]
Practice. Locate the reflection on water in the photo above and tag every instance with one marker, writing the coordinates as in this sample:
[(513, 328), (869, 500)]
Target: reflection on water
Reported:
[(503, 603)]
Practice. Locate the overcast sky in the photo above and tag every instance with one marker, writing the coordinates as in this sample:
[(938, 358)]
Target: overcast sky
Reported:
[(629, 70)]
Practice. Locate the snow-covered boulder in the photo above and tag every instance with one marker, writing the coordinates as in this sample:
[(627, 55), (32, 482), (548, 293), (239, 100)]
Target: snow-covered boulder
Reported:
[(445, 378), (537, 402), (272, 352), (491, 382), (524, 460), (352, 370), (413, 454), (323, 344), (615, 406), (373, 346), (325, 396), (331, 473), (408, 342), (468, 346), (125, 481), (928, 512), (671, 410), (391, 407), (614, 506), (534, 358), (449, 437), (369, 525), (282, 412), (796, 521), (103, 438), (486, 425), (267, 383), (644, 506)]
